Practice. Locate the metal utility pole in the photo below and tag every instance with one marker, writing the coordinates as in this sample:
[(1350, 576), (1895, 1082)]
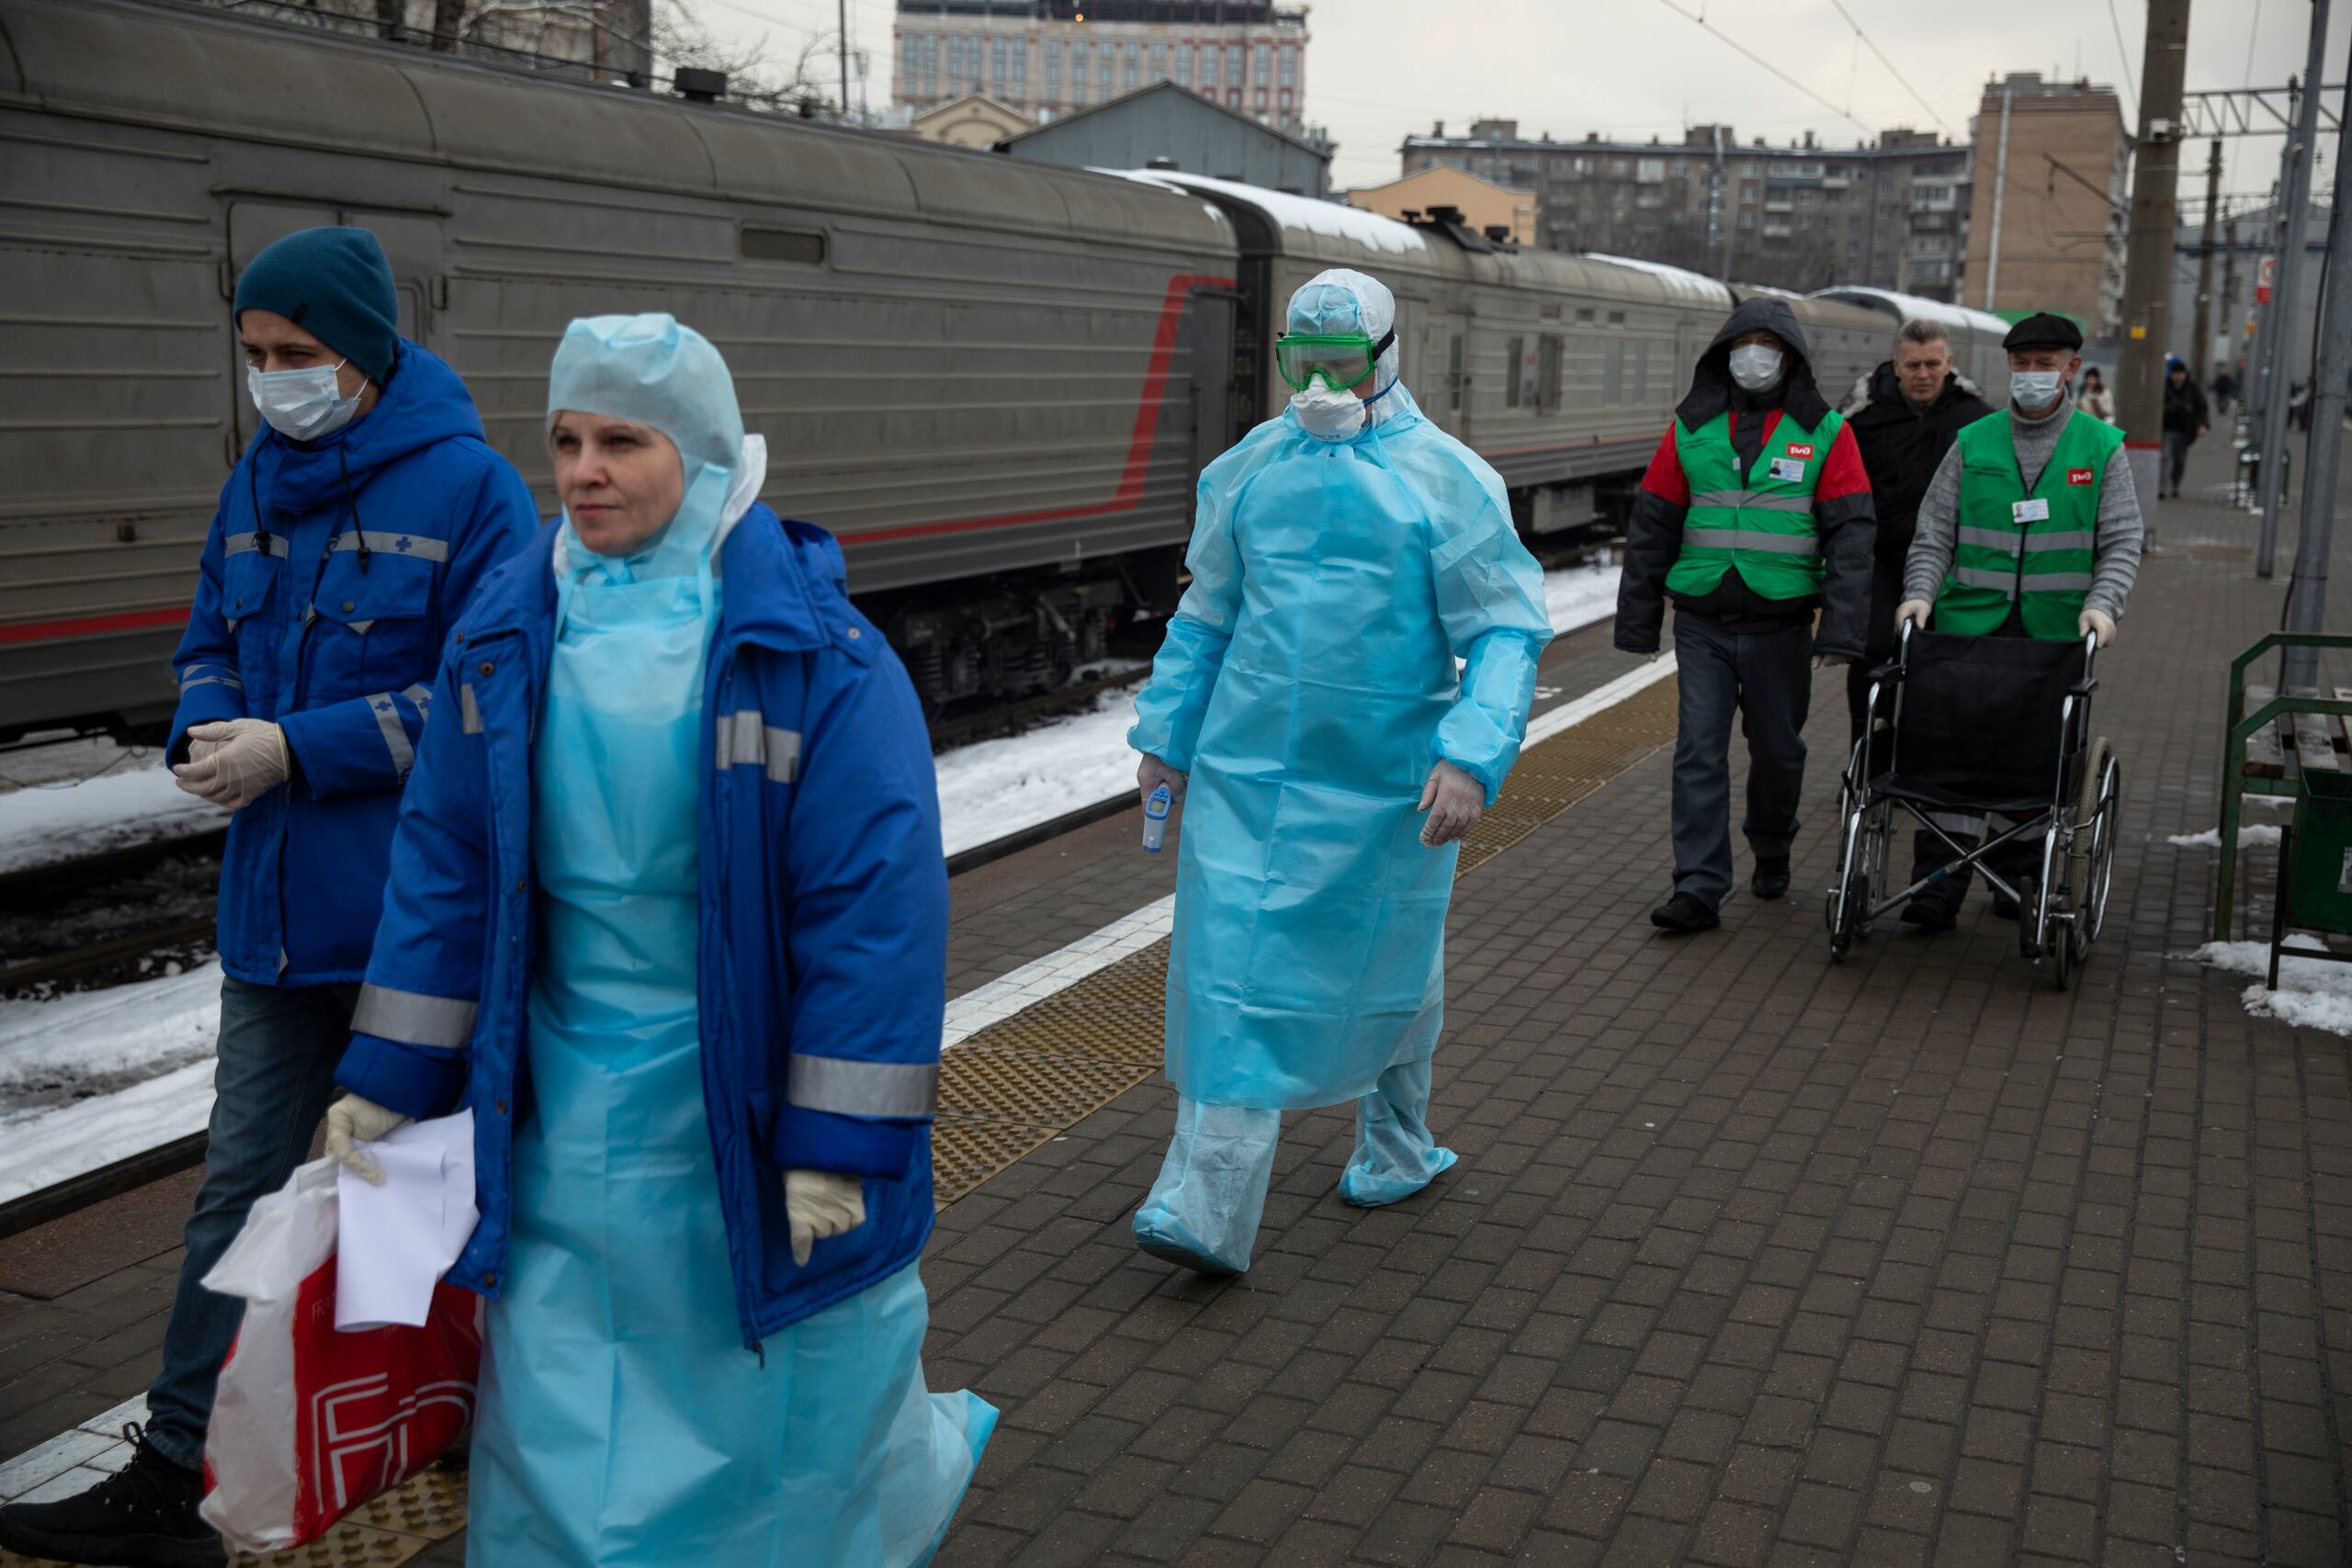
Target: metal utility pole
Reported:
[(2285, 295), (842, 21), (2232, 325), (2307, 588), (2147, 265), (2000, 190), (2201, 342)]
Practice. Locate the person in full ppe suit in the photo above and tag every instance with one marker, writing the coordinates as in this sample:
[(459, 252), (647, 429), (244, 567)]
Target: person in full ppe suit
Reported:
[(668, 915), (1343, 687)]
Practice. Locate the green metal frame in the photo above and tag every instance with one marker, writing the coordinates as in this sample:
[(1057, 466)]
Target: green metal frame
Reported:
[(2235, 785)]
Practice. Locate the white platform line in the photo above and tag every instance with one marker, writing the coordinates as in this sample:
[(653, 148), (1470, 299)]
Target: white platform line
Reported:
[(71, 1462)]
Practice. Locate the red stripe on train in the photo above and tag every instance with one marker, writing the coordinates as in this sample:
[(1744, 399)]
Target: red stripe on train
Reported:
[(1130, 491), (88, 625)]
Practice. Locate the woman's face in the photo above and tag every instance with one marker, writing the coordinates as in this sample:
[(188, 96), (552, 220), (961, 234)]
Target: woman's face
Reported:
[(621, 481)]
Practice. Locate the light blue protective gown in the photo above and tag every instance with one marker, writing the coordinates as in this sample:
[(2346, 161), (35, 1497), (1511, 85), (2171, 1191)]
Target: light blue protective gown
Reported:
[(624, 1423), (1306, 685)]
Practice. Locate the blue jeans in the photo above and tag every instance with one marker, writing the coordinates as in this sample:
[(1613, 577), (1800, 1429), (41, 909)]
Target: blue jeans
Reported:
[(1767, 679), (279, 1049)]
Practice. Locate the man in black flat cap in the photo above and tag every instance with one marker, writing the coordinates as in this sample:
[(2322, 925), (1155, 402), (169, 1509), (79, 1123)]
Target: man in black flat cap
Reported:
[(2030, 528)]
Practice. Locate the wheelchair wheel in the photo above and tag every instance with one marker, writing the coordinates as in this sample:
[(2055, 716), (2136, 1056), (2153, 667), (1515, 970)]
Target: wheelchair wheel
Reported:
[(2090, 872)]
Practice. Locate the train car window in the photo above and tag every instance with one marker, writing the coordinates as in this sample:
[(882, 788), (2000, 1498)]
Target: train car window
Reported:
[(1552, 312), (1612, 370), (1453, 371), (1585, 314), (1642, 371), (1510, 388), (1616, 318), (1547, 374), (800, 247)]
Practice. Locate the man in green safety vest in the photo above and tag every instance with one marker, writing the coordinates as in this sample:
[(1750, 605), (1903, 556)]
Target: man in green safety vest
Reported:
[(1754, 518), (2030, 528)]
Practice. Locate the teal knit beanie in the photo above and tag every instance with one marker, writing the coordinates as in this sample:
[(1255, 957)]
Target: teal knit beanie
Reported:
[(335, 285)]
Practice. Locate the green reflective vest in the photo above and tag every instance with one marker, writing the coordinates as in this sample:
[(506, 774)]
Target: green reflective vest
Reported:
[(2033, 549), (1760, 522)]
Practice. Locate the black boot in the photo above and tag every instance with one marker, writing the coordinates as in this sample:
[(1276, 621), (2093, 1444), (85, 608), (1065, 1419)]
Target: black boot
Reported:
[(1772, 877), (1936, 906), (143, 1516), (1683, 914)]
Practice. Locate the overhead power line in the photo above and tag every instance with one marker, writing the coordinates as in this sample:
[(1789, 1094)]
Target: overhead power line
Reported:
[(1759, 60), (2125, 56), (1882, 59)]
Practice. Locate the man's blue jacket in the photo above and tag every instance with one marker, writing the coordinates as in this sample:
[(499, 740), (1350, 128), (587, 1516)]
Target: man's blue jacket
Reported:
[(332, 572), (823, 947)]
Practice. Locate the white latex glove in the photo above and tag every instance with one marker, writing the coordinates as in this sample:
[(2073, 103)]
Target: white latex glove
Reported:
[(819, 1205), (1454, 801), (1151, 772), (1915, 611), (351, 1121), (245, 759), (2098, 621)]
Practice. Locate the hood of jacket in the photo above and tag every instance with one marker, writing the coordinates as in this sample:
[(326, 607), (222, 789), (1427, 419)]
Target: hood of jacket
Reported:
[(1881, 395), (1710, 382), (423, 403)]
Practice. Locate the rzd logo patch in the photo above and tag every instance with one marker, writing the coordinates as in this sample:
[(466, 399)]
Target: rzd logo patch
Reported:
[(2078, 476), (1798, 450)]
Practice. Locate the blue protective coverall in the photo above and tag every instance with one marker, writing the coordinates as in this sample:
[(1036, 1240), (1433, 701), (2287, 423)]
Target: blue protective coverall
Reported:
[(1307, 684), (734, 968), (332, 571)]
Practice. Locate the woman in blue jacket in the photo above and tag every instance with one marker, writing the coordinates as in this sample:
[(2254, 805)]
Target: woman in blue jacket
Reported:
[(668, 912)]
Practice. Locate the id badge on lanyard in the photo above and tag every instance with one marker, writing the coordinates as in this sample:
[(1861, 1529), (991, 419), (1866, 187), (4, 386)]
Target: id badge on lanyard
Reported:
[(2034, 510)]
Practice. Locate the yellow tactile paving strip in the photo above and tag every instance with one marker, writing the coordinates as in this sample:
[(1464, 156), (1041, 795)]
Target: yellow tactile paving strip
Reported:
[(1029, 1078)]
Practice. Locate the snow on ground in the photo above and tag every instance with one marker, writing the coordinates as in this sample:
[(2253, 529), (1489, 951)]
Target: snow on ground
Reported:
[(2311, 994), (42, 824), (2211, 839), (88, 1079)]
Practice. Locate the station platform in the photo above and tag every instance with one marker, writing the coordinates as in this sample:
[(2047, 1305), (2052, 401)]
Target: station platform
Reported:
[(1750, 1259)]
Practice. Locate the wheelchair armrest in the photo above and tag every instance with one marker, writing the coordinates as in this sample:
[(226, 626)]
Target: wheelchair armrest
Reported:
[(2083, 687), (1887, 671)]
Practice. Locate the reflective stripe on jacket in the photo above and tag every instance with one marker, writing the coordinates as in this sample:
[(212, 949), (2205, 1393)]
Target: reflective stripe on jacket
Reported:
[(2034, 548), (824, 926), (1761, 520)]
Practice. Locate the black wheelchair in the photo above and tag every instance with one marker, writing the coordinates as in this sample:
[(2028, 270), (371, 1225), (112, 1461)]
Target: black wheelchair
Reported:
[(1999, 726)]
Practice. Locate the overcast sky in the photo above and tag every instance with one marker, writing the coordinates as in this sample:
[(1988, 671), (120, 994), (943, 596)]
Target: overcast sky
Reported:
[(1378, 71)]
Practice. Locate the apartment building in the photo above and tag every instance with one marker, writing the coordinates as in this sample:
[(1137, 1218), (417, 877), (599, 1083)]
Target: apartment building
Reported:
[(1046, 58), (2046, 226)]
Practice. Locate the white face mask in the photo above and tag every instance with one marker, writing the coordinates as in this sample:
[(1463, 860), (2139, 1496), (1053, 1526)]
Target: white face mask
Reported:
[(301, 405), (1755, 366), (2033, 389), (1328, 415)]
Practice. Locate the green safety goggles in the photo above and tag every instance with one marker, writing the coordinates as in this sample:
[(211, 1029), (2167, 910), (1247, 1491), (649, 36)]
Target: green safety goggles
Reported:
[(1341, 359)]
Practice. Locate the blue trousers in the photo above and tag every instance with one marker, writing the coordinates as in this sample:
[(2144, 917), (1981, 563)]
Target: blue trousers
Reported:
[(1767, 679), (279, 1049)]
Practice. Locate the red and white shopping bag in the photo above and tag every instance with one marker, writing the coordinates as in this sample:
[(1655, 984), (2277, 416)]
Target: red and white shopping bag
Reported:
[(311, 1422)]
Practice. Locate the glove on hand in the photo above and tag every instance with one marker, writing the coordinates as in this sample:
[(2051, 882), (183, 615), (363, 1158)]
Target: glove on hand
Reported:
[(1151, 772), (2098, 621), (1915, 611), (819, 1205), (1454, 801), (244, 759), (352, 1121)]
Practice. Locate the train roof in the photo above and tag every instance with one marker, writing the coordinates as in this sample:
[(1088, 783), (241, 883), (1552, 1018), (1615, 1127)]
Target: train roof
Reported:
[(1694, 286), (1912, 308), (272, 82)]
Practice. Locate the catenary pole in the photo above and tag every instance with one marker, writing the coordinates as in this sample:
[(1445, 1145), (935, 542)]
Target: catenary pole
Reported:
[(2307, 588), (2147, 264), (2200, 339), (2285, 295), (844, 22), (2000, 190)]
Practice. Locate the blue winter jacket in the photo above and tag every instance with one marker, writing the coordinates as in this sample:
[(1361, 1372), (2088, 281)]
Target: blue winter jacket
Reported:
[(332, 571), (823, 948)]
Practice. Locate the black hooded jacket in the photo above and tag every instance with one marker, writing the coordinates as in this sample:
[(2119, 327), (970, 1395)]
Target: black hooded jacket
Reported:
[(1901, 448), (1841, 516)]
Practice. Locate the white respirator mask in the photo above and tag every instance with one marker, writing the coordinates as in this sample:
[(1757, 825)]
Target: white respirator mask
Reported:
[(301, 405), (2033, 389), (1328, 415), (1755, 366)]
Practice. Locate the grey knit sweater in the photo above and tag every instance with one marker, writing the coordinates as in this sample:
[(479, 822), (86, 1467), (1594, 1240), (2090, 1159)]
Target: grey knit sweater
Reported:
[(2116, 560)]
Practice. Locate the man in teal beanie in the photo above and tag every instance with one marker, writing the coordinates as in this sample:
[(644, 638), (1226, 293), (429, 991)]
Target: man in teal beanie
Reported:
[(345, 543)]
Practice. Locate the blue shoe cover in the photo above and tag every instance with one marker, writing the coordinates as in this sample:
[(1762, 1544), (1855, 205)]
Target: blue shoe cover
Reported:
[(1204, 1210), (1368, 1187), (1394, 1156)]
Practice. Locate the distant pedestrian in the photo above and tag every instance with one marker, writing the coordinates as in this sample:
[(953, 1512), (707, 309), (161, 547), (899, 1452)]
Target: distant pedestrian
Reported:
[(1754, 515), (348, 538), (2095, 398), (2186, 419), (2225, 390)]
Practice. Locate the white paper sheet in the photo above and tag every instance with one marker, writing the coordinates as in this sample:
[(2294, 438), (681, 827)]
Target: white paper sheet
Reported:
[(395, 1242)]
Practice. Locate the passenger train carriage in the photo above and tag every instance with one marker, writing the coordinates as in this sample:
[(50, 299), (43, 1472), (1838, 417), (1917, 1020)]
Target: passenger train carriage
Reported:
[(994, 381)]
